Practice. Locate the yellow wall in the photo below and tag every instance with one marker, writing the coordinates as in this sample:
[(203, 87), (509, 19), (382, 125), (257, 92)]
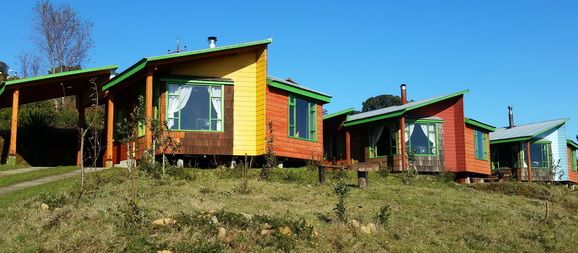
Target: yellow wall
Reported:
[(248, 71)]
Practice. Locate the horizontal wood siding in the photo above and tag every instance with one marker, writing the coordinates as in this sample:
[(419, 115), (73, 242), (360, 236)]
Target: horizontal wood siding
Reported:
[(283, 145), (572, 174), (473, 164)]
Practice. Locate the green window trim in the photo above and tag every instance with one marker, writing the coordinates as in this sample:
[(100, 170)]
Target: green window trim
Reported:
[(477, 145), (545, 155), (177, 119), (311, 119), (436, 124), (372, 150), (574, 162)]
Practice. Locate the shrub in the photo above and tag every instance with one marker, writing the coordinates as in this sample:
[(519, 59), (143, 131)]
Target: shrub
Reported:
[(383, 214), (182, 173), (383, 170), (341, 190)]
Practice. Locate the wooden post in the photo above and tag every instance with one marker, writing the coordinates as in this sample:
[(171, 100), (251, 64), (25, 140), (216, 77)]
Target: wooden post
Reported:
[(321, 171), (148, 109), (13, 128), (529, 162), (109, 131), (362, 179), (347, 146), (81, 125), (402, 144)]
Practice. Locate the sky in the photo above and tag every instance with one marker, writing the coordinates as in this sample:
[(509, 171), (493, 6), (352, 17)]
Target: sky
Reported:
[(521, 53)]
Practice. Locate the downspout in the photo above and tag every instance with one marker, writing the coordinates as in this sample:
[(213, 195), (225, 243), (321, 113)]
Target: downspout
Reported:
[(402, 130)]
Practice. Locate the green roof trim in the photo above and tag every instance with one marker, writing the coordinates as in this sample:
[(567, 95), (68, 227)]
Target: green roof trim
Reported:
[(572, 143), (342, 112), (479, 124), (300, 91), (140, 65), (402, 110), (61, 74), (517, 139)]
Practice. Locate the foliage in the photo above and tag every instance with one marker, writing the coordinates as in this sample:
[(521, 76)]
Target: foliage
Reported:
[(270, 157), (381, 101), (341, 190), (383, 170), (383, 214), (53, 200)]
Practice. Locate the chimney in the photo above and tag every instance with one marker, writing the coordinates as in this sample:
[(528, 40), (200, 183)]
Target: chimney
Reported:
[(511, 117), (212, 41), (403, 95)]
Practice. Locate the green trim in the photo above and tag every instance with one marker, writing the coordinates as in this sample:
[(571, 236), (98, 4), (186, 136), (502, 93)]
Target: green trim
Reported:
[(210, 119), (404, 110), (574, 161), (546, 130), (311, 122), (61, 74), (140, 65), (335, 114), (425, 121), (544, 156), (479, 124), (484, 145), (572, 144), (436, 126), (517, 139), (299, 91)]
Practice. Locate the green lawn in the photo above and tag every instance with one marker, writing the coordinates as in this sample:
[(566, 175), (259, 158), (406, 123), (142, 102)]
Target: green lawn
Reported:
[(427, 214), (7, 180), (4, 167)]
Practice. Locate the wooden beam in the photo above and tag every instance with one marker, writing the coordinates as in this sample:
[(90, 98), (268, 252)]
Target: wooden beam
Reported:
[(148, 109), (347, 146), (109, 131), (529, 162), (13, 128), (402, 144)]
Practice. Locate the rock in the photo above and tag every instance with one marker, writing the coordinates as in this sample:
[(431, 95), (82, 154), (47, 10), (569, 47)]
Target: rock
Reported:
[(44, 206), (214, 220), (372, 227), (314, 233), (222, 233), (365, 230), (180, 163), (267, 231), (164, 222), (164, 251), (267, 226), (285, 230), (354, 223)]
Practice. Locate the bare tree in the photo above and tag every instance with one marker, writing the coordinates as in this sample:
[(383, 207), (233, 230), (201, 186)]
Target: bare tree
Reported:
[(29, 64)]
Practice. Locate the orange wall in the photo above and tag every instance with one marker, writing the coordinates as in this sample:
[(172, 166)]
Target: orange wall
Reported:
[(472, 163), (277, 112), (572, 175)]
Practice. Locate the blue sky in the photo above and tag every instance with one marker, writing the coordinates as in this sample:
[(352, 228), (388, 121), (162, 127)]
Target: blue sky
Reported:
[(520, 53)]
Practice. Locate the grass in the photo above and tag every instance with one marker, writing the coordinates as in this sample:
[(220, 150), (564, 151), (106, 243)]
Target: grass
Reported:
[(32, 175), (424, 214), (4, 167)]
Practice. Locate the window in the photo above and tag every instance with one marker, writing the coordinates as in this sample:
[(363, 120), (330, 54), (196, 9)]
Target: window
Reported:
[(574, 165), (480, 145), (540, 155), (382, 142), (302, 119), (195, 107), (422, 138)]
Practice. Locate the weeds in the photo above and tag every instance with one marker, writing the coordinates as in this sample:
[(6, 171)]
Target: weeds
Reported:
[(383, 170), (341, 190), (383, 214), (53, 200)]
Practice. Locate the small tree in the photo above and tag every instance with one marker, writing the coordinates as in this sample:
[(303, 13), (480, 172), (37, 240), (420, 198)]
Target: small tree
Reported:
[(162, 139), (83, 129), (270, 157)]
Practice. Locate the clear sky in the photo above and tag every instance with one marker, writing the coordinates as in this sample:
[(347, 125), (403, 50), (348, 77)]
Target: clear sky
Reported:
[(521, 53)]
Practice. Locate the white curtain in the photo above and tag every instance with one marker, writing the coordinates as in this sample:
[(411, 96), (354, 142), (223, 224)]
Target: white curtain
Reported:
[(375, 135), (216, 97), (431, 136), (178, 98), (409, 132)]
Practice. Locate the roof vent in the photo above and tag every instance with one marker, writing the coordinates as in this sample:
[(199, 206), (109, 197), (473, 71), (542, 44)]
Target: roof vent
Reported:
[(511, 116), (212, 41)]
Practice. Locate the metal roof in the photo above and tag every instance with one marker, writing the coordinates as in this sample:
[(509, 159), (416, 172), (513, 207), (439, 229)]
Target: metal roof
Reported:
[(399, 109), (525, 132), (339, 113), (296, 85)]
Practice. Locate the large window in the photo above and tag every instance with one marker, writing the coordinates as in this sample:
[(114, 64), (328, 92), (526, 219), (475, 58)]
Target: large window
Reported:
[(382, 142), (540, 155), (421, 138), (480, 145), (302, 119), (195, 107)]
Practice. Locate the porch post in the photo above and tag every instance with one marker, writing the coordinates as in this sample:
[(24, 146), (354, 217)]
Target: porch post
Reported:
[(529, 162), (13, 129), (149, 109), (109, 131), (402, 143), (347, 146), (81, 125)]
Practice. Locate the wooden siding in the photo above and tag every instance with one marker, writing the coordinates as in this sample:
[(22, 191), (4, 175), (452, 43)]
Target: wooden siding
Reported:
[(248, 110), (474, 164), (283, 145), (452, 112), (572, 174)]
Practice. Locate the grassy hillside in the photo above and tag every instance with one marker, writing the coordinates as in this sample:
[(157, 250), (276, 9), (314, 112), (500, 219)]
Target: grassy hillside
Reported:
[(214, 211)]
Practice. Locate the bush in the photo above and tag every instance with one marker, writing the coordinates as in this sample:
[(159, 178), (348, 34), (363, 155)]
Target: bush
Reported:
[(383, 170), (182, 173), (341, 190), (382, 216)]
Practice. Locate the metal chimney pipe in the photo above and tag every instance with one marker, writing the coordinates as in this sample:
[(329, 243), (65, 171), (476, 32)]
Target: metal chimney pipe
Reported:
[(511, 116), (403, 94), (212, 41)]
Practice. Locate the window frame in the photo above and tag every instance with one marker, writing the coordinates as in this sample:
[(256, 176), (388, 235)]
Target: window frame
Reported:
[(477, 132), (392, 149), (312, 128), (436, 124), (574, 162), (195, 83), (548, 146)]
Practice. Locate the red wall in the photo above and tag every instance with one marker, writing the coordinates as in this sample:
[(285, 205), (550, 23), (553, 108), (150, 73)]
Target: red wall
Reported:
[(473, 164), (572, 175)]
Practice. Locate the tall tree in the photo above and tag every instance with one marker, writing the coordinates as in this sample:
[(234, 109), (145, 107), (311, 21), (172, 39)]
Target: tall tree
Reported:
[(3, 71), (61, 35), (381, 101)]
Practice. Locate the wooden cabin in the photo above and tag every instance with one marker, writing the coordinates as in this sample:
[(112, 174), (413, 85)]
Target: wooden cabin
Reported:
[(218, 103), (571, 148), (431, 134), (531, 152)]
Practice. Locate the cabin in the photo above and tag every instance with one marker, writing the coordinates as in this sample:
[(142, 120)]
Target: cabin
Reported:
[(431, 134), (571, 148), (219, 104), (531, 152)]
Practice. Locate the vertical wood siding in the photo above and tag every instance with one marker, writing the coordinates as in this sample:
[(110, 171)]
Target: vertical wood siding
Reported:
[(472, 163), (277, 113)]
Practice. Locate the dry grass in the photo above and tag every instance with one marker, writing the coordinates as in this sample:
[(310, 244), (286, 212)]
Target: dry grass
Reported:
[(427, 214)]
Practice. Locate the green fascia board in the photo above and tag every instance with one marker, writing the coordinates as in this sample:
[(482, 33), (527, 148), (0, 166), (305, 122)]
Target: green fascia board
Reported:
[(342, 112), (517, 139), (546, 130), (479, 124), (403, 111), (140, 65), (572, 144), (299, 91), (374, 118), (61, 74)]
